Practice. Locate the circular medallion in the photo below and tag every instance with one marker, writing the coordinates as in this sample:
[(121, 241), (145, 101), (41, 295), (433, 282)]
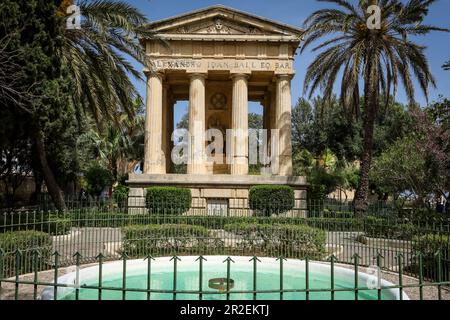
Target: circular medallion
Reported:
[(218, 101)]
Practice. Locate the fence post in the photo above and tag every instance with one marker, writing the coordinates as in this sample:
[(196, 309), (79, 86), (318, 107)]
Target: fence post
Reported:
[(228, 261), (149, 274), (77, 257), (356, 259), (307, 277), (332, 260), (281, 259), (18, 260), (439, 270), (255, 261), (36, 256), (200, 260), (400, 274), (100, 274), (124, 276), (379, 259), (2, 257), (55, 284), (420, 257), (175, 259)]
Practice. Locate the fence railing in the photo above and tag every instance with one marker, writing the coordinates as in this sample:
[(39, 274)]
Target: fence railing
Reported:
[(35, 241)]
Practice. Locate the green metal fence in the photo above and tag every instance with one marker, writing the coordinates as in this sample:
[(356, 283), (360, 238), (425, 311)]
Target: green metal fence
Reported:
[(36, 241)]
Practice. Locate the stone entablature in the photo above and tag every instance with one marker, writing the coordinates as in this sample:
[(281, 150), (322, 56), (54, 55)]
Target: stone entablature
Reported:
[(231, 65)]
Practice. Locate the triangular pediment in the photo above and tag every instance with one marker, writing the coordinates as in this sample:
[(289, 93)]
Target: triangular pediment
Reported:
[(220, 20)]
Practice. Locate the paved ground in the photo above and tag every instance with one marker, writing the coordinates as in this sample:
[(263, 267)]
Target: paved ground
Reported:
[(89, 242)]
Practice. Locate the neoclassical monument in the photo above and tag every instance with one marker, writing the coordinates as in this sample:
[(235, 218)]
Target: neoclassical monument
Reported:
[(218, 59)]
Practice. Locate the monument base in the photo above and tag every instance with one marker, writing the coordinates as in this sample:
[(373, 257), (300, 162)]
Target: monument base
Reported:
[(215, 194)]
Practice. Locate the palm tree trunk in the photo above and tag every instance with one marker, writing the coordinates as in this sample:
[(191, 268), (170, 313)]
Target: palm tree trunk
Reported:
[(50, 181), (370, 113)]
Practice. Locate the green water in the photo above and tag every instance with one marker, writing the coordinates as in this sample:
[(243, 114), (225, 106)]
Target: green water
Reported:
[(243, 281)]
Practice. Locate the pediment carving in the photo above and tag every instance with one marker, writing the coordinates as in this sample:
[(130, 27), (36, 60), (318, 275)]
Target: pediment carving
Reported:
[(217, 26), (220, 20)]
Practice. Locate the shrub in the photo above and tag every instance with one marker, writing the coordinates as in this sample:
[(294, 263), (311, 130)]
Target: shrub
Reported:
[(53, 223), (327, 213), (168, 200), (268, 200), (120, 194), (97, 178), (57, 225), (390, 229), (142, 240), (429, 244), (27, 242), (296, 241)]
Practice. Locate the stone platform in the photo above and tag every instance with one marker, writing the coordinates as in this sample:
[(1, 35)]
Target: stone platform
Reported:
[(213, 193)]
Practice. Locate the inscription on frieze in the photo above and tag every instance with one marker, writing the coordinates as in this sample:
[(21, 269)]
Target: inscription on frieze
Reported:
[(224, 64)]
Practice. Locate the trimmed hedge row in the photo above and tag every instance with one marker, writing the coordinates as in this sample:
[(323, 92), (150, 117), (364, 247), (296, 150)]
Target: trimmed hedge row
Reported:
[(267, 200), (293, 241), (168, 200), (144, 240)]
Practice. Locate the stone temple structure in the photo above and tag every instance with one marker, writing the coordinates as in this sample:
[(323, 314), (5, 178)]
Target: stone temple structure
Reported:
[(218, 59)]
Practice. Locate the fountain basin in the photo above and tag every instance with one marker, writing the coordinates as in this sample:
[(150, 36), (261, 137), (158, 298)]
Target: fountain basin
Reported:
[(241, 272)]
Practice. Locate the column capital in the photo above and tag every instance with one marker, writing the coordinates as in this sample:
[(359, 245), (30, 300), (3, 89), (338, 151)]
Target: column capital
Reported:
[(197, 75), (240, 75), (284, 76), (161, 74)]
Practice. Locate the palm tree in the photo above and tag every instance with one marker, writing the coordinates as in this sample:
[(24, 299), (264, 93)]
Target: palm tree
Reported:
[(97, 59), (377, 59), (116, 145)]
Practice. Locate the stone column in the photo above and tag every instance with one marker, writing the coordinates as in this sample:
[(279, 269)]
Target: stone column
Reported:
[(283, 123), (170, 128), (196, 161), (265, 155), (239, 124), (154, 162), (164, 127)]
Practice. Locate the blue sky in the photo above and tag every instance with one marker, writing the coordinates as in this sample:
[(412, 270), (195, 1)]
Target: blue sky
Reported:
[(294, 12)]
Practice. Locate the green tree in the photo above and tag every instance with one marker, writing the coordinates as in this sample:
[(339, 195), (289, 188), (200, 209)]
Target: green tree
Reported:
[(36, 35), (255, 121), (318, 126), (417, 165), (382, 57), (97, 179)]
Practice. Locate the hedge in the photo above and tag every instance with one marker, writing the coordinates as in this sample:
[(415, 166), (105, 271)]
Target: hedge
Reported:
[(293, 241), (143, 240), (338, 214), (53, 223), (383, 228), (429, 245), (27, 242), (268, 199), (168, 200)]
